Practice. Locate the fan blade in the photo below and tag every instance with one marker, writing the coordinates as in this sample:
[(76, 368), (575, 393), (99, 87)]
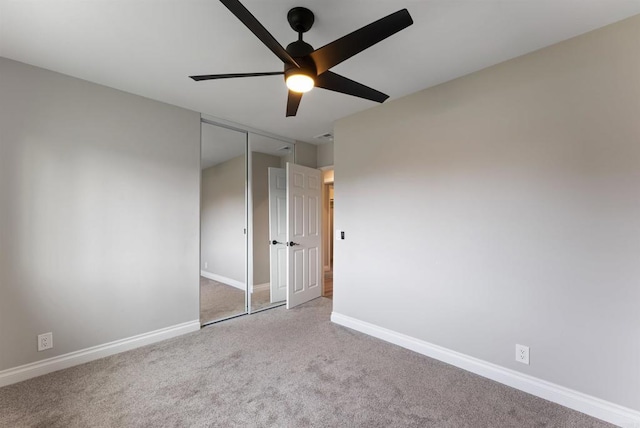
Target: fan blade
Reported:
[(334, 82), (345, 47), (258, 29), (232, 75), (293, 101)]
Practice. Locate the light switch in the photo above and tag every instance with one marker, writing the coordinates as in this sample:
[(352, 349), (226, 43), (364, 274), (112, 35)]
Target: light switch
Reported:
[(339, 234)]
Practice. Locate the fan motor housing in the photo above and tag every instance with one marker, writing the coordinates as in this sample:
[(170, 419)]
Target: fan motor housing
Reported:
[(299, 49)]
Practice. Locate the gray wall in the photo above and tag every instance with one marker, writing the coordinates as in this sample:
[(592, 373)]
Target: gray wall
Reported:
[(223, 219), (324, 153), (99, 212), (306, 154), (260, 175), (508, 202)]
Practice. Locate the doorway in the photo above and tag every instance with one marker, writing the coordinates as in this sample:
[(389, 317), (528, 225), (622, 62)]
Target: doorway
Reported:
[(328, 230)]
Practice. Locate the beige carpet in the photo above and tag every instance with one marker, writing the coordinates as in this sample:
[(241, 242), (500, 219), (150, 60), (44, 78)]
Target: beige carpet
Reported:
[(277, 368), (219, 301)]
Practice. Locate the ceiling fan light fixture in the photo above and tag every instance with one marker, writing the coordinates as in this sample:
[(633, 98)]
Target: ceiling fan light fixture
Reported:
[(305, 67), (300, 83)]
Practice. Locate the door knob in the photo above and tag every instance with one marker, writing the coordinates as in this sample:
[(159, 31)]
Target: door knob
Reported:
[(274, 242), (291, 244)]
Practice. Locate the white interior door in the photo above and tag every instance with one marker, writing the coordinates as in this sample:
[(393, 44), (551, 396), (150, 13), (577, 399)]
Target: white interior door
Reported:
[(278, 233), (304, 238)]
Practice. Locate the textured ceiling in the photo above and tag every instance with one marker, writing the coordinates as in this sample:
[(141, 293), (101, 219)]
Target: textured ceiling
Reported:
[(149, 47)]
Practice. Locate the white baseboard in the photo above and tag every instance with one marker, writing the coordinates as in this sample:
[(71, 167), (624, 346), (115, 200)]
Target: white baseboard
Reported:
[(223, 279), (260, 287), (39, 368), (601, 409)]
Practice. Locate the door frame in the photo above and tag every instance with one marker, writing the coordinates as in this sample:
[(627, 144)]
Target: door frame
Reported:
[(327, 180)]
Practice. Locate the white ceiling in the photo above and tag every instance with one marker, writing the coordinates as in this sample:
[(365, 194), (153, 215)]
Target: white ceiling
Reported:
[(149, 47)]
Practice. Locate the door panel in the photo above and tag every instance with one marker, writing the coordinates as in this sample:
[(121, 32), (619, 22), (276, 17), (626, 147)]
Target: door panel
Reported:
[(313, 223), (298, 216), (298, 270), (313, 269), (279, 289)]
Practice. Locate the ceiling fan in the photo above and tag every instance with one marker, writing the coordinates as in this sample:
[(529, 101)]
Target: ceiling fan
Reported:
[(305, 67)]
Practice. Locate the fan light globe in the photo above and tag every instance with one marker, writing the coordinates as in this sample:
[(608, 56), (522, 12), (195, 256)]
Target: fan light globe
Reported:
[(300, 83)]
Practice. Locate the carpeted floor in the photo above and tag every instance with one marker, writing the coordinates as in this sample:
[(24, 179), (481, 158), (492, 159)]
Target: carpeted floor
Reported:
[(278, 368), (219, 301)]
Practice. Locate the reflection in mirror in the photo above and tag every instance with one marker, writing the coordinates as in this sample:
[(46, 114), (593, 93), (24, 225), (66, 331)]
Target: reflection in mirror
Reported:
[(268, 188), (223, 222)]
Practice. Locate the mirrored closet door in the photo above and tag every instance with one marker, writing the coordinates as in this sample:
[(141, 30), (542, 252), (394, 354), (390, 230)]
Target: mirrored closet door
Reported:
[(267, 270), (223, 223)]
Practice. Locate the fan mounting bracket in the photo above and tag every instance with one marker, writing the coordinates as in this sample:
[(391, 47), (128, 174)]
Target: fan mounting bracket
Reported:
[(300, 19)]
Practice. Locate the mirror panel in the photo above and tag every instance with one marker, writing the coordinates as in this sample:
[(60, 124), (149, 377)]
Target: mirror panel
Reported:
[(268, 195), (223, 213)]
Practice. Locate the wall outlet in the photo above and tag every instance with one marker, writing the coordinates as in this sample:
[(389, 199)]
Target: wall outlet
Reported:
[(206, 265), (522, 354), (45, 341)]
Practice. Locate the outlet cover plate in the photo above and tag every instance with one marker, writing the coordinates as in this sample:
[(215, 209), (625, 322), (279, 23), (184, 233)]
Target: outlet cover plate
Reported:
[(45, 341), (522, 354)]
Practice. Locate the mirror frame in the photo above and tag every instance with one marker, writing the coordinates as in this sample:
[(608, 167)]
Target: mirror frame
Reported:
[(246, 219)]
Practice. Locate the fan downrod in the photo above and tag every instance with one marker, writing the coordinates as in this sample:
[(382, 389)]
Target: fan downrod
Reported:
[(300, 19)]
